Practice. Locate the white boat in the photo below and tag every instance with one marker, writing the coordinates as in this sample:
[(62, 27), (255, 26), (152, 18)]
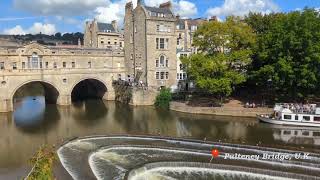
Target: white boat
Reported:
[(293, 114)]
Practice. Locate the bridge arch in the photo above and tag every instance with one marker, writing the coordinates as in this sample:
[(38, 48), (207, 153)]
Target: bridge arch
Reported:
[(51, 92), (89, 87)]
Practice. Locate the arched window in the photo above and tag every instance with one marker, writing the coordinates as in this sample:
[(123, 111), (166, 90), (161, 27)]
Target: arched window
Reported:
[(162, 61), (34, 61)]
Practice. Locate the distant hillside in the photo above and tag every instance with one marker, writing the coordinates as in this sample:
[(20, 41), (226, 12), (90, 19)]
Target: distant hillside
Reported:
[(58, 38)]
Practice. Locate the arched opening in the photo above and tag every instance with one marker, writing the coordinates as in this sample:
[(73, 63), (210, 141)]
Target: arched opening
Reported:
[(88, 89), (30, 105), (37, 89)]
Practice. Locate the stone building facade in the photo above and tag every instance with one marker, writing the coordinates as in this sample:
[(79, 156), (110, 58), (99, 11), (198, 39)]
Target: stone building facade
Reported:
[(59, 69), (103, 35), (150, 44)]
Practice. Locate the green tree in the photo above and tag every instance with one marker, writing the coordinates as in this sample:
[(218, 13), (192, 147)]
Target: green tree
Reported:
[(163, 99), (287, 53), (225, 53)]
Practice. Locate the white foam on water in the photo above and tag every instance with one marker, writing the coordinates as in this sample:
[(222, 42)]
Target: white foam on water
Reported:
[(154, 173)]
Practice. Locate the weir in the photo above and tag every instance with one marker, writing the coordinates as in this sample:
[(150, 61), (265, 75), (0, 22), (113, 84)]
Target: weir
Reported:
[(145, 157)]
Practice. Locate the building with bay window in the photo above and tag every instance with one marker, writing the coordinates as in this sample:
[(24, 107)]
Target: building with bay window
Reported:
[(150, 44)]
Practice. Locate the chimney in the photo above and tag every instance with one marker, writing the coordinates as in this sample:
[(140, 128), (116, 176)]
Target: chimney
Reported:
[(166, 5), (213, 18), (115, 25), (129, 6)]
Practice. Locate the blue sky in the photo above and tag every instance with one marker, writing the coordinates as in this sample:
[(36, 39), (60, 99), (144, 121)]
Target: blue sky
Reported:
[(50, 16)]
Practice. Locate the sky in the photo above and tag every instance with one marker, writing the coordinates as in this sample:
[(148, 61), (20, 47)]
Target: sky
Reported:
[(52, 16)]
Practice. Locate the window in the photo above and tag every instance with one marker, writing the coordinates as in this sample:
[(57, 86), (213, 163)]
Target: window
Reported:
[(1, 65), (73, 64), (287, 132), (115, 43), (34, 64), (180, 67), (184, 76), (306, 118), (14, 65), (109, 42), (102, 42), (178, 76), (120, 44), (64, 80), (178, 41), (131, 38), (47, 65), (316, 134), (162, 43), (316, 119), (161, 75), (305, 133), (135, 29), (55, 66), (64, 64), (163, 28), (162, 61), (288, 117), (157, 75), (23, 65), (194, 28), (167, 75), (157, 62), (89, 64)]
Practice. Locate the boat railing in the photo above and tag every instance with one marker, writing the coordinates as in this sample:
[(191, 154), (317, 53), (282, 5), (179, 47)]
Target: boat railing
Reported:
[(298, 108)]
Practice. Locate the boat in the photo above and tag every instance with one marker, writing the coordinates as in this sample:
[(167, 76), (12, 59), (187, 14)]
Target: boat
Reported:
[(293, 115)]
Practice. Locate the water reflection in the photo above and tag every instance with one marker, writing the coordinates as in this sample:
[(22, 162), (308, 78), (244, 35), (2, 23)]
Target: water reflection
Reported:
[(33, 115), (33, 123), (296, 135)]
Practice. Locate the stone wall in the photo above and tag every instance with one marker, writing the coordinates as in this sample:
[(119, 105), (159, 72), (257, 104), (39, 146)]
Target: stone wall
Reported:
[(220, 111), (135, 96)]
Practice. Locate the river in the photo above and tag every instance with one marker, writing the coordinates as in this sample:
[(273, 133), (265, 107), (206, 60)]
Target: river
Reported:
[(33, 123)]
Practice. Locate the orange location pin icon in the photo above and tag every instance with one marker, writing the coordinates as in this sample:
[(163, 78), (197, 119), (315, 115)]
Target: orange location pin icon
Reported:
[(215, 153)]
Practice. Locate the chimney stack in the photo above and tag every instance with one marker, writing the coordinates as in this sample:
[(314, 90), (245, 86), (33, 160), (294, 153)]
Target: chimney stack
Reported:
[(166, 5), (213, 18), (115, 25)]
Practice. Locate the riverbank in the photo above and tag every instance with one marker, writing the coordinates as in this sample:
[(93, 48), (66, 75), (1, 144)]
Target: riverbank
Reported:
[(231, 109)]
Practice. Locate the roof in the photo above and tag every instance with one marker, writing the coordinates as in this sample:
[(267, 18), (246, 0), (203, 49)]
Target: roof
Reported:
[(191, 22), (159, 10), (105, 27)]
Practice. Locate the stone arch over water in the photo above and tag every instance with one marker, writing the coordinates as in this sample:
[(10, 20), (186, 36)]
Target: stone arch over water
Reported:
[(51, 92), (92, 88)]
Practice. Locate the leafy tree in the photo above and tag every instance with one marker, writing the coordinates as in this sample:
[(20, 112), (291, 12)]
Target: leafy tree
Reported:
[(225, 54), (287, 53), (163, 99)]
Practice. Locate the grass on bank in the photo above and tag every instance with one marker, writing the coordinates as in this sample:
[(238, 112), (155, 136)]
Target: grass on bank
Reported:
[(42, 164)]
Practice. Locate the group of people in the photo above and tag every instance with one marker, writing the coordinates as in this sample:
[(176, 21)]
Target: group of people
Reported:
[(250, 105), (301, 108)]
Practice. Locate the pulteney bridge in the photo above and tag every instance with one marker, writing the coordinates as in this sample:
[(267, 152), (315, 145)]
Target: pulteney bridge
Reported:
[(61, 71)]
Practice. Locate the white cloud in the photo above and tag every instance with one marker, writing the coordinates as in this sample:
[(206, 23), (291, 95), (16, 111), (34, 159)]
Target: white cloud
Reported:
[(116, 9), (185, 8), (59, 7), (113, 11), (35, 29), (243, 7), (18, 30)]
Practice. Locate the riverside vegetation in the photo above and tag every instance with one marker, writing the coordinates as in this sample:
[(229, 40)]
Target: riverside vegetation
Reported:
[(276, 54)]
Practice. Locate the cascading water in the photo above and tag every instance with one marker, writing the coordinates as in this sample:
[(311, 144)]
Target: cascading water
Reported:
[(144, 157)]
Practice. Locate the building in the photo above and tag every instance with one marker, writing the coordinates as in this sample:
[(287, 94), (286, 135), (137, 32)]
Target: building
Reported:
[(103, 35), (185, 29), (150, 44)]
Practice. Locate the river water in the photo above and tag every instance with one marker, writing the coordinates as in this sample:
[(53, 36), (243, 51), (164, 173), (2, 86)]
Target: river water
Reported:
[(33, 123)]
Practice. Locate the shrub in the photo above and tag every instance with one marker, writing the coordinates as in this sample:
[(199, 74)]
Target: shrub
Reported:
[(42, 164), (163, 99)]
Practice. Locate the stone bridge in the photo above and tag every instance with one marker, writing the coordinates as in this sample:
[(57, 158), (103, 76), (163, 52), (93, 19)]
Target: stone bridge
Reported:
[(59, 70)]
